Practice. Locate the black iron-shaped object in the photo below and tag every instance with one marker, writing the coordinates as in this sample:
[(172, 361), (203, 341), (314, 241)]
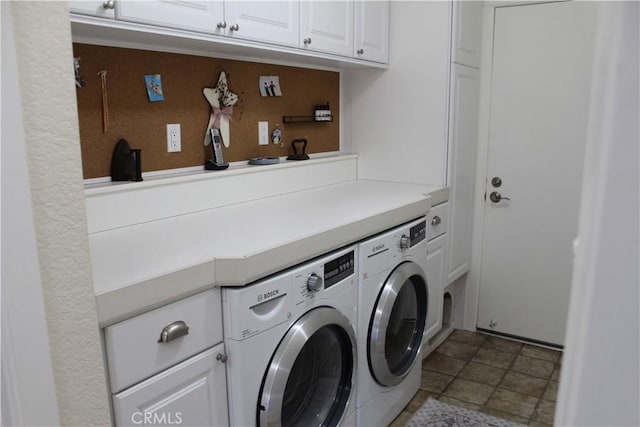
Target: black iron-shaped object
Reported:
[(299, 156), (126, 162)]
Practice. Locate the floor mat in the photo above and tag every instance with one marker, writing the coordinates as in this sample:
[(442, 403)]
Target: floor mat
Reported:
[(437, 414)]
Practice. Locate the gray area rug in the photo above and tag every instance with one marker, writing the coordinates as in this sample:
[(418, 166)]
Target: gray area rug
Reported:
[(437, 414)]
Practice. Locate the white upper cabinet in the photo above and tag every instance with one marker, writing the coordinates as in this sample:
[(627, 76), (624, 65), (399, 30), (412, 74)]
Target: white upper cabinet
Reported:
[(467, 24), (271, 28), (200, 16), (371, 26), (101, 8), (266, 21), (327, 26)]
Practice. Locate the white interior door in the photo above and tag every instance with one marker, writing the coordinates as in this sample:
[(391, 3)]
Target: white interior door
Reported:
[(541, 74)]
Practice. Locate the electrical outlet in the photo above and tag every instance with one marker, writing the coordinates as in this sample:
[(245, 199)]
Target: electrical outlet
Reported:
[(263, 133), (174, 145)]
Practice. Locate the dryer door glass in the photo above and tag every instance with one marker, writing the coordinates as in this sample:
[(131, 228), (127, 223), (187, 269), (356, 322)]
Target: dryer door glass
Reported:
[(310, 378), (398, 324)]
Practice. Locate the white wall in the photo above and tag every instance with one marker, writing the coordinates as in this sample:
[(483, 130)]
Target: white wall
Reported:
[(399, 116), (600, 382), (44, 62)]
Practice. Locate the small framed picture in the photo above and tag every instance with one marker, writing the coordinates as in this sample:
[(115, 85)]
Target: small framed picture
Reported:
[(153, 83), (270, 86)]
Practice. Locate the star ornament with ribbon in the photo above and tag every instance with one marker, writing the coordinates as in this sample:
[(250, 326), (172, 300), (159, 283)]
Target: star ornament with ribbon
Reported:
[(222, 101)]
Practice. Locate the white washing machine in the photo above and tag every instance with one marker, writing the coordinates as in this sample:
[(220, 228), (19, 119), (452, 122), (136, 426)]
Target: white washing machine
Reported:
[(393, 320), (291, 345)]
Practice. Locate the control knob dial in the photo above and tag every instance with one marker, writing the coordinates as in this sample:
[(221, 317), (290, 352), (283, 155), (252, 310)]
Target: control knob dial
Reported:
[(405, 242), (314, 282)]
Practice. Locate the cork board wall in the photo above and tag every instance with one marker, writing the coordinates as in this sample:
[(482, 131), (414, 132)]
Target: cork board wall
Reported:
[(143, 123)]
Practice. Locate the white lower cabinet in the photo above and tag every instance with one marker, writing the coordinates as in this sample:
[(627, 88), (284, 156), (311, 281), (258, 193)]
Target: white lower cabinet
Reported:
[(436, 256), (167, 366), (192, 393)]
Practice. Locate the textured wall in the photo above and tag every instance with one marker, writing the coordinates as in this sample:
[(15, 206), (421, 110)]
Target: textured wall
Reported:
[(44, 55)]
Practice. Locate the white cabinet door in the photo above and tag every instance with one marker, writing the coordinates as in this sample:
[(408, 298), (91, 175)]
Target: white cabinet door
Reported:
[(467, 27), (372, 30), (200, 16), (192, 393), (327, 26), (436, 251), (101, 8), (272, 21), (463, 124)]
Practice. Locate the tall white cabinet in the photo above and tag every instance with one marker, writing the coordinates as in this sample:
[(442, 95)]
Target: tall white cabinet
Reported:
[(464, 89)]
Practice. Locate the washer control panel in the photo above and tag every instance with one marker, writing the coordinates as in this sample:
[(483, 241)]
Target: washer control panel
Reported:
[(417, 233), (317, 277), (339, 268)]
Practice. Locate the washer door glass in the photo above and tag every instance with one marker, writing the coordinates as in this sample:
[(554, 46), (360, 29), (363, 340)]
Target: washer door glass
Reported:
[(310, 378), (398, 324)]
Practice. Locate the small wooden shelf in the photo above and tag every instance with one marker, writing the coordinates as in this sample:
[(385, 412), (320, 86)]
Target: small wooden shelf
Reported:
[(300, 119)]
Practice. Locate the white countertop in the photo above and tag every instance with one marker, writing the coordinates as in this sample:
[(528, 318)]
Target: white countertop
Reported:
[(142, 266)]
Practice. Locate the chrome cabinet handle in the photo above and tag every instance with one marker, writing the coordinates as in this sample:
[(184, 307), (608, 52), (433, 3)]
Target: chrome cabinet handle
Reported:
[(222, 357), (173, 331), (234, 27), (436, 220), (307, 41), (222, 25), (496, 197), (360, 51), (109, 4)]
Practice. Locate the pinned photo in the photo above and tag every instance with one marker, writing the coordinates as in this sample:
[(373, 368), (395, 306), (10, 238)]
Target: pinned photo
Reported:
[(270, 86), (153, 84)]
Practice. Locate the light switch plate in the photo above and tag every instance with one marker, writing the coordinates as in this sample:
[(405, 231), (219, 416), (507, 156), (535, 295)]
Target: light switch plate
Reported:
[(263, 133)]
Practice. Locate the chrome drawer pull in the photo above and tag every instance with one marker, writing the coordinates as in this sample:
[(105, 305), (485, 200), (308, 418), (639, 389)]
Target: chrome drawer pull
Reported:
[(436, 220), (173, 331)]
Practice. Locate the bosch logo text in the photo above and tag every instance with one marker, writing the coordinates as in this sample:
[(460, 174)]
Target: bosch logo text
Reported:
[(268, 295)]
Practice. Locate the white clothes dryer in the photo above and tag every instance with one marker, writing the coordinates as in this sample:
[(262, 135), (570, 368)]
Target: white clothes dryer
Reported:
[(393, 317), (291, 345)]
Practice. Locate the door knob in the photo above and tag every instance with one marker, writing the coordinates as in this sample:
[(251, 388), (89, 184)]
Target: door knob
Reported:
[(496, 197), (496, 181)]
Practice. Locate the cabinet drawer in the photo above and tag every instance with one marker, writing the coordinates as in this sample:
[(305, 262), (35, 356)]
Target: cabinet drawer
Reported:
[(133, 350), (437, 220)]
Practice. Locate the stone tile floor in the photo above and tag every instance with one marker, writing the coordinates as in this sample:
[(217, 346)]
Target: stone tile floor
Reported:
[(507, 379)]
